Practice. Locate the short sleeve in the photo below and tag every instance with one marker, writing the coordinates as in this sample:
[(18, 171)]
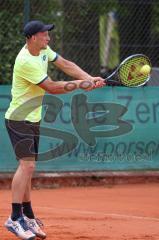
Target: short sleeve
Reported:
[(52, 56), (32, 72)]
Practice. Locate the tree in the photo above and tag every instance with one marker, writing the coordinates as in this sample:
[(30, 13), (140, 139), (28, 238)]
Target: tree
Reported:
[(134, 26), (81, 34)]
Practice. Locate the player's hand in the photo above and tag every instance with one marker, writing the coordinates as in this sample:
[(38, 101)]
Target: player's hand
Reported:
[(92, 83), (98, 82)]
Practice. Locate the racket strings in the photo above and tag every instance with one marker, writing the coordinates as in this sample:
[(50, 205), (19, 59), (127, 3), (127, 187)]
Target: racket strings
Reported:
[(129, 72)]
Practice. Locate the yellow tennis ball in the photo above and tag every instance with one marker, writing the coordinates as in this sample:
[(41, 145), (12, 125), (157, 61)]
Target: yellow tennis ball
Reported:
[(145, 70)]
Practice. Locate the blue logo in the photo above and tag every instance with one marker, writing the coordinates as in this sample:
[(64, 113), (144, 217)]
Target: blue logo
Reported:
[(44, 57)]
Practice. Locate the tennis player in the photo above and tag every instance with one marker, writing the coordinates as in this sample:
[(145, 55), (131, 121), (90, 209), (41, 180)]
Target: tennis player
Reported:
[(30, 80)]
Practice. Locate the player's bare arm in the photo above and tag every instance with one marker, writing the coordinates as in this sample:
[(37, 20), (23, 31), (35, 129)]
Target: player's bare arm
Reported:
[(73, 70), (60, 87)]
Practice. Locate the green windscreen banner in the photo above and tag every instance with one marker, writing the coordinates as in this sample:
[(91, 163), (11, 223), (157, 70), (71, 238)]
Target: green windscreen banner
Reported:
[(113, 129)]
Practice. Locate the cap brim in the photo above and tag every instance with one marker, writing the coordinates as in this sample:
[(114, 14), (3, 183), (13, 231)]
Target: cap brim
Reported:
[(48, 27)]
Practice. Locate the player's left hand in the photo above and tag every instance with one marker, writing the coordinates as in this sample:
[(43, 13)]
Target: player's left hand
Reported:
[(98, 82)]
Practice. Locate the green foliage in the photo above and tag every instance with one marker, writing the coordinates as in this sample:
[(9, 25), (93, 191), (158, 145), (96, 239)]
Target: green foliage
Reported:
[(11, 34), (10, 38), (12, 17), (50, 13), (75, 30), (155, 20)]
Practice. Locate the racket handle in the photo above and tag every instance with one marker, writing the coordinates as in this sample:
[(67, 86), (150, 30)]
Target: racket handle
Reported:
[(110, 82)]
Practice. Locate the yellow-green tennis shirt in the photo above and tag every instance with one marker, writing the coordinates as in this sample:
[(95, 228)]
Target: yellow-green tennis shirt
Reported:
[(27, 96)]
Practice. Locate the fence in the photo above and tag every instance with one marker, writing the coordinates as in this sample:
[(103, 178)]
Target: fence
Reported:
[(120, 134), (96, 34)]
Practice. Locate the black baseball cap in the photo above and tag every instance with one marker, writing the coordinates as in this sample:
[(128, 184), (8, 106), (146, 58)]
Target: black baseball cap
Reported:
[(36, 26)]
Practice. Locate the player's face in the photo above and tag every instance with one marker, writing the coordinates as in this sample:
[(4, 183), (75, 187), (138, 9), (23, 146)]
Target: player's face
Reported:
[(42, 39)]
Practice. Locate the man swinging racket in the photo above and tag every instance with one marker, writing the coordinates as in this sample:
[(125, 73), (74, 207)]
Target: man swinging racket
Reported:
[(30, 80)]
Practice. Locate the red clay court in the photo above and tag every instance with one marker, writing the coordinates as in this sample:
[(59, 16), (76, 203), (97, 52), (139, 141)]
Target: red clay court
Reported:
[(113, 212)]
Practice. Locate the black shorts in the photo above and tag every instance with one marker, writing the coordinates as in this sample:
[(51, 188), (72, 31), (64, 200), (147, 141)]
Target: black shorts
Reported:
[(24, 136)]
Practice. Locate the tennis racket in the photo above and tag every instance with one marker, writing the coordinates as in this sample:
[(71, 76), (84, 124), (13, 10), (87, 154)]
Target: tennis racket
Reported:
[(128, 73)]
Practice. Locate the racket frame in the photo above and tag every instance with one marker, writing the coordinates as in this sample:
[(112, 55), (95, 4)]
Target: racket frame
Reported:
[(108, 79)]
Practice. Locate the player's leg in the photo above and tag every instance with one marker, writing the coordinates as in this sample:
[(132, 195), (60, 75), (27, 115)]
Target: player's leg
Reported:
[(16, 223), (33, 223), (21, 179), (28, 214), (26, 203), (22, 139)]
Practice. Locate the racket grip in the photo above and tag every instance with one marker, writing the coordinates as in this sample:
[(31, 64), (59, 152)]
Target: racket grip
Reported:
[(110, 82)]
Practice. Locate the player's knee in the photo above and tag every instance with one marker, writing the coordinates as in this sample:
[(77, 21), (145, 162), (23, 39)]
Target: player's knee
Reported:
[(27, 166)]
